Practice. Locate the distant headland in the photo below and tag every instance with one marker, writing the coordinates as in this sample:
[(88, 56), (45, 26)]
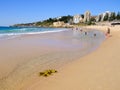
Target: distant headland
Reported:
[(87, 18)]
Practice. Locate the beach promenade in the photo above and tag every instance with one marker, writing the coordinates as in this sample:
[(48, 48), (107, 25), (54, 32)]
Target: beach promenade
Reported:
[(99, 70)]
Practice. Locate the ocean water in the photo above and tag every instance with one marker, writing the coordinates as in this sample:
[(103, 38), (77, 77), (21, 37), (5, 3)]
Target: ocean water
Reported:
[(11, 32)]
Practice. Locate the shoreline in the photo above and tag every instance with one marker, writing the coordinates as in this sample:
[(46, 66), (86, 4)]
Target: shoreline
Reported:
[(7, 35), (98, 70), (22, 57)]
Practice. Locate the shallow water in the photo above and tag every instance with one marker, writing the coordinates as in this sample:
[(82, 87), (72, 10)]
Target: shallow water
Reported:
[(71, 44), (12, 32)]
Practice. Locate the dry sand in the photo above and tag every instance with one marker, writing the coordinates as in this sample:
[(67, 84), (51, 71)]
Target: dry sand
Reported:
[(99, 70)]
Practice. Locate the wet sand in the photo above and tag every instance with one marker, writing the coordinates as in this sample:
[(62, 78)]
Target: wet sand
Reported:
[(22, 58), (99, 70)]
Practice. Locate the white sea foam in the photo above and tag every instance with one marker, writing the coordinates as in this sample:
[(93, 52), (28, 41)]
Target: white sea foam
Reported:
[(15, 34)]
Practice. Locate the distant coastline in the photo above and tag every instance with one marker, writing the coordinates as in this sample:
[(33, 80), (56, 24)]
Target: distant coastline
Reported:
[(69, 21)]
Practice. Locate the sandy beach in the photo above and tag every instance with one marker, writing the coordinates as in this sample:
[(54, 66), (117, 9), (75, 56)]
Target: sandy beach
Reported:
[(99, 70), (59, 45), (23, 57)]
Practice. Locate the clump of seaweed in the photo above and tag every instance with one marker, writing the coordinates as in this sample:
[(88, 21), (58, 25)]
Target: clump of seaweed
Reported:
[(47, 73)]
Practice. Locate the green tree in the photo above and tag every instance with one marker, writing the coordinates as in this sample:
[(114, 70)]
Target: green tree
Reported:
[(89, 22), (118, 16), (92, 19), (112, 17), (105, 17), (66, 19), (82, 15), (47, 22), (100, 17)]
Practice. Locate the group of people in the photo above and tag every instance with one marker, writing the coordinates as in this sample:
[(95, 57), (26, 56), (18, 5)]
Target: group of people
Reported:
[(107, 34), (82, 30)]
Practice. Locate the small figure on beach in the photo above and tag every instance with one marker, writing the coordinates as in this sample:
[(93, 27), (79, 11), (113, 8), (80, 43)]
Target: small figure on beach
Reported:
[(81, 30), (85, 33), (94, 34), (76, 28), (108, 32)]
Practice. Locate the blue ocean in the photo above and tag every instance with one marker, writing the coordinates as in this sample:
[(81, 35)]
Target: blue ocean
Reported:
[(11, 32)]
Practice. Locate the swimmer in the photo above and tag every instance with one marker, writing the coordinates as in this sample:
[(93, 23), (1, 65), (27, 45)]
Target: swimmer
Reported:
[(95, 35), (85, 33)]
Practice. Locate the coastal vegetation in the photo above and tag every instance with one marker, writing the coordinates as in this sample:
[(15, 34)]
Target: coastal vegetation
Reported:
[(48, 22), (111, 18), (118, 16)]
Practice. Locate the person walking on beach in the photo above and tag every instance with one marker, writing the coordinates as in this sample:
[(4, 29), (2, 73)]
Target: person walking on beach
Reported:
[(108, 32)]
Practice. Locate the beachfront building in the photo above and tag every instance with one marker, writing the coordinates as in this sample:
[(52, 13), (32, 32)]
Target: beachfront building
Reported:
[(87, 16), (77, 19), (58, 24), (98, 18), (102, 16)]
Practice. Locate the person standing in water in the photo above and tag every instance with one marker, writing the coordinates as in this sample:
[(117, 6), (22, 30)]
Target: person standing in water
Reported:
[(94, 34), (85, 33)]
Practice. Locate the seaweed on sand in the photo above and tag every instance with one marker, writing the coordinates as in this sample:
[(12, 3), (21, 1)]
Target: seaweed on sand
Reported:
[(47, 73)]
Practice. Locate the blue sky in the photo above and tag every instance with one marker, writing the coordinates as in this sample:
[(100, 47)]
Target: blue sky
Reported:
[(23, 11)]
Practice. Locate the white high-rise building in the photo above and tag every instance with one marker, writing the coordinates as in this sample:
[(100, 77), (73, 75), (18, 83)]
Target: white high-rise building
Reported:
[(87, 16), (102, 16), (77, 18)]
